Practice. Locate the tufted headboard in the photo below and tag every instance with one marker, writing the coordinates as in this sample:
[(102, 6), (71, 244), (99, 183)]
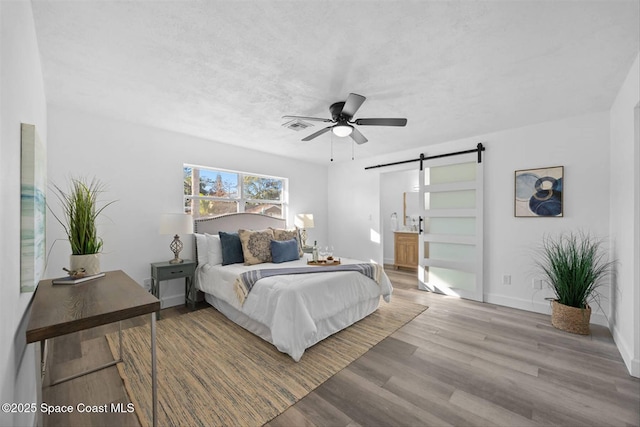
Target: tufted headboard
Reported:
[(234, 222)]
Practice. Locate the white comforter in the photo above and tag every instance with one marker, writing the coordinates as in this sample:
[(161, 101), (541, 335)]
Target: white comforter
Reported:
[(291, 306)]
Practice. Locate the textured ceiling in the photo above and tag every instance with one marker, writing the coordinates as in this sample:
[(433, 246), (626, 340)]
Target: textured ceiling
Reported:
[(229, 70)]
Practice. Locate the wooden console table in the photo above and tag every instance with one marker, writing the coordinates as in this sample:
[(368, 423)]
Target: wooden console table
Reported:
[(62, 309)]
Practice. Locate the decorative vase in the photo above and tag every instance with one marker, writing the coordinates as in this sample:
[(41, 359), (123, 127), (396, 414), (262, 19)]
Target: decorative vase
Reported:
[(570, 319), (90, 263)]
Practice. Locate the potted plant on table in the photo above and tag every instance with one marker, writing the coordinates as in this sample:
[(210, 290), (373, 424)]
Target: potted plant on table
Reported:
[(575, 266), (80, 210)]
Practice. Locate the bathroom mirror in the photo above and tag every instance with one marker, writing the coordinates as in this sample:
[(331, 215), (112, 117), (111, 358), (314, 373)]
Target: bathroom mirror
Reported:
[(411, 204)]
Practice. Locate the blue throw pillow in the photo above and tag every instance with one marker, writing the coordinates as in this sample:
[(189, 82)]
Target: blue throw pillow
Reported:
[(231, 248), (284, 250)]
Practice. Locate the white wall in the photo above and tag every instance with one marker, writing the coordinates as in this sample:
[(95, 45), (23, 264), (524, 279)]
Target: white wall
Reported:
[(142, 169), (580, 144), (625, 211), (23, 101)]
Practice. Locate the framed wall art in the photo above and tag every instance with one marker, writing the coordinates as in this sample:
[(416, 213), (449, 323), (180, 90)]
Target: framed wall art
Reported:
[(538, 192), (33, 184)]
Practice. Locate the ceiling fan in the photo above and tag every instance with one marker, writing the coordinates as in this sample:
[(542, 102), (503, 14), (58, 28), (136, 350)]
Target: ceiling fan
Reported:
[(342, 115)]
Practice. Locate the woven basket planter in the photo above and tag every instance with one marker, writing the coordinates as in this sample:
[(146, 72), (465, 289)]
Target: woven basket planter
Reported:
[(570, 319)]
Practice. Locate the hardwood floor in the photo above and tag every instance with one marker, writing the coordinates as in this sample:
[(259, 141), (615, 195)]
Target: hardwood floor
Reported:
[(78, 352), (458, 363)]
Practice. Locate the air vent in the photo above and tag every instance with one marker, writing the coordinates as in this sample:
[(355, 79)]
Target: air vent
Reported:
[(297, 125)]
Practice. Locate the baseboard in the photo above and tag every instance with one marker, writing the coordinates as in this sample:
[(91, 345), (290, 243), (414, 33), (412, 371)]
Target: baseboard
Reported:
[(542, 307), (632, 363)]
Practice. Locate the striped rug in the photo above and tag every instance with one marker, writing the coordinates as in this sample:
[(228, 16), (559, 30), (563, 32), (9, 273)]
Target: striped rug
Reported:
[(212, 372)]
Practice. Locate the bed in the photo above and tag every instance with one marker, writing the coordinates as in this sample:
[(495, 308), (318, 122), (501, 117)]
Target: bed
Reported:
[(291, 311)]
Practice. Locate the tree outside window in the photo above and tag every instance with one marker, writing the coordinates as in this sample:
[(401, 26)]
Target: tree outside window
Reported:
[(211, 192)]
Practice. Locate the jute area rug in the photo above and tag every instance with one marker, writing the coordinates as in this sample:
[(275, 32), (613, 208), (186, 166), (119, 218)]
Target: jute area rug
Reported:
[(212, 372)]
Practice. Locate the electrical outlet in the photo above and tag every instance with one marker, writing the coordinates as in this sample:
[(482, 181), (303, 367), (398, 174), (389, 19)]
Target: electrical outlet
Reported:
[(506, 279), (147, 284), (536, 283)]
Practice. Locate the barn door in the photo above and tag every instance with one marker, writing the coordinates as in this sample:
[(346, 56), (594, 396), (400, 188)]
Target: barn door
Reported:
[(451, 244)]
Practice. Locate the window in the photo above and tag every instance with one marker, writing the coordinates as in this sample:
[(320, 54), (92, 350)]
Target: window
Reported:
[(209, 192)]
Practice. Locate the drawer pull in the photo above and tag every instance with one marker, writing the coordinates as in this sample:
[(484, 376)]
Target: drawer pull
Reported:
[(174, 272)]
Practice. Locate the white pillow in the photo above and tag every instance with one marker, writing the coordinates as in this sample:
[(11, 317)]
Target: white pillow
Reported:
[(203, 248), (215, 249)]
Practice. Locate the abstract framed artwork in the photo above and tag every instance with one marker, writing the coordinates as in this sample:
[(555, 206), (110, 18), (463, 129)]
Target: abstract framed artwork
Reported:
[(33, 183), (538, 192)]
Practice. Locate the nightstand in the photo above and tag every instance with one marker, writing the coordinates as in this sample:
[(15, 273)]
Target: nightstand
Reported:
[(166, 271)]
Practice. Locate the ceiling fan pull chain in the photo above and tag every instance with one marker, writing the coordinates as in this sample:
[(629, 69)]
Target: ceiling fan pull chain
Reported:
[(332, 146), (352, 150)]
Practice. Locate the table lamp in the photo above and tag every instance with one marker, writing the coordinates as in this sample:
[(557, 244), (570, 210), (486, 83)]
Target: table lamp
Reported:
[(176, 224), (304, 221)]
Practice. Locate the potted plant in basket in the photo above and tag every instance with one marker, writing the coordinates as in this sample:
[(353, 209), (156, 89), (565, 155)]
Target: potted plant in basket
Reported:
[(575, 266), (80, 211)]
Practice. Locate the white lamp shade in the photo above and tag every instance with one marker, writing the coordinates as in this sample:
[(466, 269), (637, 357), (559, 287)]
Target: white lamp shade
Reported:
[(304, 221), (178, 223), (342, 130)]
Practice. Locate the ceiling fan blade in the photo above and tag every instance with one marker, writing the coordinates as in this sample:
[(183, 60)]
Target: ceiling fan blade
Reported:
[(320, 132), (351, 105), (358, 137), (381, 122), (314, 119)]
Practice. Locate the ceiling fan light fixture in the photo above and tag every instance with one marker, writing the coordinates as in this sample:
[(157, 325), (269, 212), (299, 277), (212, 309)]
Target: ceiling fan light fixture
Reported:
[(342, 130)]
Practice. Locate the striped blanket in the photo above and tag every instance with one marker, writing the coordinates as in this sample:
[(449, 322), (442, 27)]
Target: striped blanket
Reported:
[(245, 281)]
